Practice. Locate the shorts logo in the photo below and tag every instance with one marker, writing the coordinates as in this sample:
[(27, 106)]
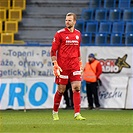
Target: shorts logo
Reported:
[(77, 73), (64, 76)]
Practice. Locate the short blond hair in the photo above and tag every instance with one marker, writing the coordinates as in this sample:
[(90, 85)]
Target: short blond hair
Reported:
[(72, 14)]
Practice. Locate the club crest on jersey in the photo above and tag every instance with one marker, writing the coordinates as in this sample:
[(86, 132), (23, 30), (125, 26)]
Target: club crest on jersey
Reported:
[(77, 37)]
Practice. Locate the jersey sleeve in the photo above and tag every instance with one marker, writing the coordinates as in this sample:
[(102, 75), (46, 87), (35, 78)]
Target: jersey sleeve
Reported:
[(79, 45), (55, 44)]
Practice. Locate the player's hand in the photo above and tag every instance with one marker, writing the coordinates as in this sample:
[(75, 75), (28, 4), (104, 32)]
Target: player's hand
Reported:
[(81, 66), (56, 69)]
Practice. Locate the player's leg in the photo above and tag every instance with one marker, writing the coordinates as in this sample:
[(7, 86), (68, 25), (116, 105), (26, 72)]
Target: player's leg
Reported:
[(61, 81), (75, 79), (76, 85), (57, 100)]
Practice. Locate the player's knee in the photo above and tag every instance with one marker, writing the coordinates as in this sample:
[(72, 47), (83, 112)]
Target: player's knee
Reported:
[(61, 89), (59, 92), (77, 89)]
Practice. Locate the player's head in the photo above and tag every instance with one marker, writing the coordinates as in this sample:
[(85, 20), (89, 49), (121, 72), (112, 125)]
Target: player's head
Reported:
[(70, 20)]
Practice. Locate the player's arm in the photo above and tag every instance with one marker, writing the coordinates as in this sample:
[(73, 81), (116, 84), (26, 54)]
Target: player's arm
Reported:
[(80, 65), (54, 49), (79, 55), (53, 58)]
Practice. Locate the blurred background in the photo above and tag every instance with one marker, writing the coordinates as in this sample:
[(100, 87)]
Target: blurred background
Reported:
[(27, 28)]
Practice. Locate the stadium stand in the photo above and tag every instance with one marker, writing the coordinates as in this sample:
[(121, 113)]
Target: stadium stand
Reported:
[(15, 14), (101, 39), (129, 40), (87, 14), (116, 39), (10, 16), (123, 4), (19, 4), (80, 25), (105, 27), (128, 15), (0, 26), (5, 4), (118, 27), (101, 14), (115, 15), (108, 4), (92, 27), (94, 4), (11, 26), (87, 39), (114, 20), (129, 27), (3, 14), (36, 21), (42, 18)]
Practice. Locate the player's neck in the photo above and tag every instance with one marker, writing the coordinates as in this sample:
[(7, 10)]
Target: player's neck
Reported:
[(71, 29)]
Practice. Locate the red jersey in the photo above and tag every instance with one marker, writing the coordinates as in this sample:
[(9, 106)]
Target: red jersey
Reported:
[(66, 46)]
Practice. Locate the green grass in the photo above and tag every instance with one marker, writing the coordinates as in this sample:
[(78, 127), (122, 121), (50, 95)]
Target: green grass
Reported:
[(97, 121)]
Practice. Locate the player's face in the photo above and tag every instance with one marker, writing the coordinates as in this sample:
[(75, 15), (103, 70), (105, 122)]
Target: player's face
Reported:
[(70, 22)]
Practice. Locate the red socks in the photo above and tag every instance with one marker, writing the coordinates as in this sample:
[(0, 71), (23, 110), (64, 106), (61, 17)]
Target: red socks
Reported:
[(76, 101), (57, 99)]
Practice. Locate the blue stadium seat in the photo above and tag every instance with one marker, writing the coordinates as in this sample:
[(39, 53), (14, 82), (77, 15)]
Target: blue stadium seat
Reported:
[(86, 39), (101, 39), (105, 27), (109, 4), (87, 14), (124, 4), (118, 27), (128, 15), (80, 25), (129, 39), (94, 4), (92, 27), (101, 15), (129, 27), (114, 15), (116, 39)]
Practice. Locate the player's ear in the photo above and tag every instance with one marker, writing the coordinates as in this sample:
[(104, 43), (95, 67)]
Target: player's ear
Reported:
[(74, 21)]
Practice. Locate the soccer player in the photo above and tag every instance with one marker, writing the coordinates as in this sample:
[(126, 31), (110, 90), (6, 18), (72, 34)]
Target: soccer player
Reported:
[(67, 64)]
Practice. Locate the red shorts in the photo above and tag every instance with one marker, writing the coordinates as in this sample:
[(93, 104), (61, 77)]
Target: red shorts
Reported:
[(71, 75)]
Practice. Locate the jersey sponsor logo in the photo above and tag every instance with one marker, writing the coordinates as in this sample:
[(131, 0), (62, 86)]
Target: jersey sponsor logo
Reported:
[(72, 42)]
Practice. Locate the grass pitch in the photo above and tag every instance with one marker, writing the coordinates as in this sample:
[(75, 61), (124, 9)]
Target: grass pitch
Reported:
[(40, 121)]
